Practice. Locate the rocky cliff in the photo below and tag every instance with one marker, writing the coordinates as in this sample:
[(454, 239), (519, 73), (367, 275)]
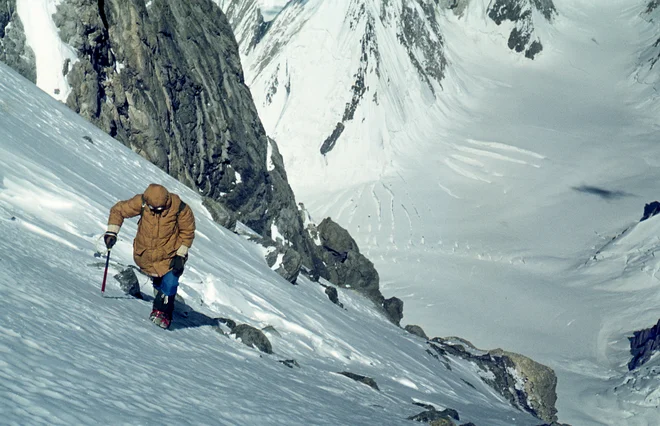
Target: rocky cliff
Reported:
[(13, 49), (165, 78)]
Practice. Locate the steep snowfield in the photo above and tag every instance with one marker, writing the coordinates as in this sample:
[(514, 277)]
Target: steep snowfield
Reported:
[(71, 356), (489, 217)]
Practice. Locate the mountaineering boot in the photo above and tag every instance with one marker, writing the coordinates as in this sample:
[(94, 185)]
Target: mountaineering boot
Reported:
[(160, 320), (158, 314)]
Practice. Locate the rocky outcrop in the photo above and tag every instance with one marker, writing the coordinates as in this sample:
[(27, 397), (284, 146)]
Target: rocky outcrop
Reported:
[(393, 309), (643, 344), (445, 417), (165, 79), (650, 210), (525, 383), (333, 295), (344, 264), (248, 335), (522, 37), (416, 330), (128, 282), (13, 48), (361, 379)]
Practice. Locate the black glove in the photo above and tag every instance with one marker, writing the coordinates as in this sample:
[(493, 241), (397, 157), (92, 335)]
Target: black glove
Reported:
[(110, 239), (177, 265)]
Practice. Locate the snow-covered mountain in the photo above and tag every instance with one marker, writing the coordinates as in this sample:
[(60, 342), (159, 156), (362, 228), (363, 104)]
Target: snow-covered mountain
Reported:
[(490, 201), (365, 75), (73, 356)]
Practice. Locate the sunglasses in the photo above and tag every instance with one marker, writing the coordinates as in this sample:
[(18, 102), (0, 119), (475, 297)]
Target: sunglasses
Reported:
[(156, 209)]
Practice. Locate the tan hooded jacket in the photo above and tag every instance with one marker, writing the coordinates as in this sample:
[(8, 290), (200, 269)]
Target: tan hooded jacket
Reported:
[(161, 236)]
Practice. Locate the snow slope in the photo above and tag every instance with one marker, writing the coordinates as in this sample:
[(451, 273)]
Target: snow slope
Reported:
[(495, 216), (70, 356), (50, 52)]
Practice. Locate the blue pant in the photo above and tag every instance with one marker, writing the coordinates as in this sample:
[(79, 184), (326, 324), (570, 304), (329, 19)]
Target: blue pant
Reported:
[(167, 284)]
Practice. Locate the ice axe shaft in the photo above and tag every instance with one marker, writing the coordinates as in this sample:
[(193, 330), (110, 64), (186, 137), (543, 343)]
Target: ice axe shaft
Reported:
[(105, 273)]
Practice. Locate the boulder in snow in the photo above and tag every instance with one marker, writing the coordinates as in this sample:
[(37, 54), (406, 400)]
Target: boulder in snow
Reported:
[(253, 337), (393, 309), (362, 379), (129, 283), (417, 331)]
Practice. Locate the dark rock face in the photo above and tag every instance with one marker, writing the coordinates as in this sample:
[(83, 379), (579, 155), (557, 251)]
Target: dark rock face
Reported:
[(525, 383), (393, 309), (344, 264), (362, 379), (290, 363), (417, 331), (650, 210), (521, 38), (252, 337), (331, 140), (128, 282), (333, 295), (435, 417), (643, 344), (13, 48), (166, 80), (289, 261)]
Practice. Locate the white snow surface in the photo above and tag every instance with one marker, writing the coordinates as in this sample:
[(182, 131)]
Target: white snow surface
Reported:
[(270, 8), (50, 52), (71, 356), (506, 211)]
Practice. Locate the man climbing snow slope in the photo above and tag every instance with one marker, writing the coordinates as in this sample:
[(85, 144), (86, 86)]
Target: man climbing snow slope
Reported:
[(166, 230)]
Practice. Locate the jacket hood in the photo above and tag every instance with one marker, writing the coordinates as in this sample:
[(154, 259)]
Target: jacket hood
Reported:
[(157, 196)]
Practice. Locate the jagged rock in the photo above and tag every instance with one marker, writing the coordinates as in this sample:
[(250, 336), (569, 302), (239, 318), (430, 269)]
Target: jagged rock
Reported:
[(166, 81), (220, 213), (393, 309), (14, 50), (252, 337), (290, 363), (344, 264), (333, 295), (431, 415), (417, 331), (520, 12), (228, 322), (283, 259), (269, 329), (129, 283), (525, 383), (650, 210), (362, 379), (539, 384), (643, 344)]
